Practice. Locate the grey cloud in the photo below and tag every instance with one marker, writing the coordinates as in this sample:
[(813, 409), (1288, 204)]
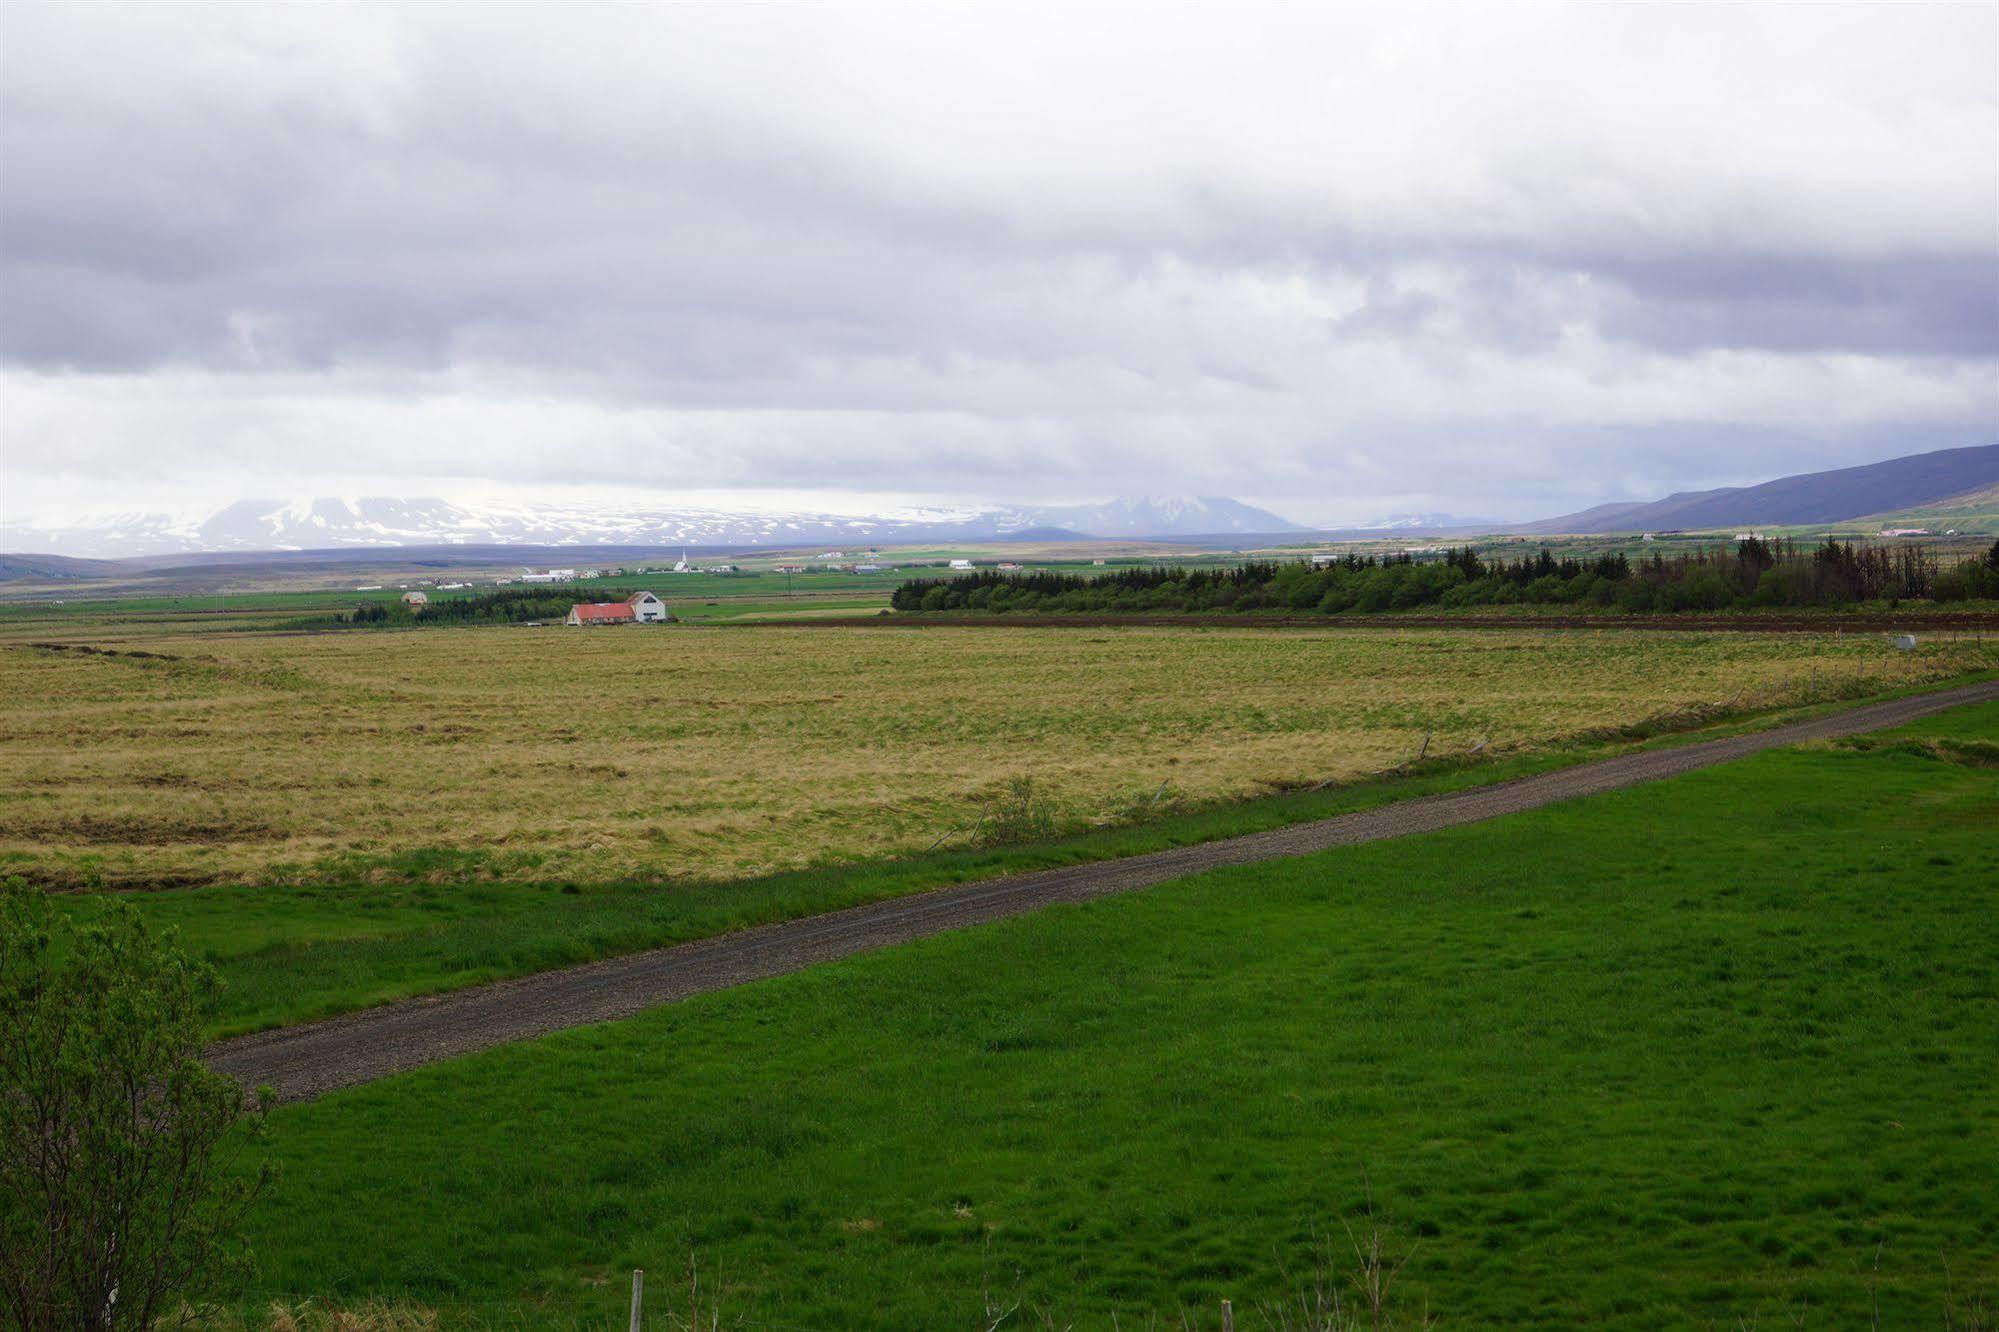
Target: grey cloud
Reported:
[(503, 218)]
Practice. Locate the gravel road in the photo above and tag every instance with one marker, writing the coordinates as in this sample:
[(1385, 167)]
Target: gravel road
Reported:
[(305, 1061)]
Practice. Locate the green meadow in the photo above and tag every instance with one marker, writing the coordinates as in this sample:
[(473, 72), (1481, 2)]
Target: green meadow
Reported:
[(1716, 1052)]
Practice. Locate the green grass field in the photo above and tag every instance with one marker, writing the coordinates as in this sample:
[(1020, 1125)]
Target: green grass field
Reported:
[(1714, 1052)]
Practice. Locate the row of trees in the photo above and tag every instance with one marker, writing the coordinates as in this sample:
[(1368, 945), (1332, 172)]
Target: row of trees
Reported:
[(508, 606), (1755, 573)]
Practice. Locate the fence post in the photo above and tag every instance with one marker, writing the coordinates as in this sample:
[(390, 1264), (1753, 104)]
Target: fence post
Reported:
[(1228, 1317), (638, 1296)]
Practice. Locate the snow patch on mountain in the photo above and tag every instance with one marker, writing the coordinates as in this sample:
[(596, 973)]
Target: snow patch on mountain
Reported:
[(1425, 522), (333, 523)]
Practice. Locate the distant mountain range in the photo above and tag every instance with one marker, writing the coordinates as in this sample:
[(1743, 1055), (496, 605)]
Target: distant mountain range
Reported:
[(334, 524), (1950, 479), (1916, 481), (1429, 522)]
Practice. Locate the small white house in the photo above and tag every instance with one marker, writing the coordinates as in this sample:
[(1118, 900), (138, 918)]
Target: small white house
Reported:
[(646, 608), (414, 600), (961, 564)]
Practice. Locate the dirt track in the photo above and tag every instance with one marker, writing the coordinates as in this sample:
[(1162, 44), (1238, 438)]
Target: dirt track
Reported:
[(305, 1061)]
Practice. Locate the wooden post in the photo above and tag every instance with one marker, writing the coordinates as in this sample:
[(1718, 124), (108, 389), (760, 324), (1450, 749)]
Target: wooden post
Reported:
[(638, 1296), (1425, 749), (1228, 1317)]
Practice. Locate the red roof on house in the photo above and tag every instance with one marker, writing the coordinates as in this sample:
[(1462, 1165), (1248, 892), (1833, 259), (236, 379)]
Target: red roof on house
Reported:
[(603, 610)]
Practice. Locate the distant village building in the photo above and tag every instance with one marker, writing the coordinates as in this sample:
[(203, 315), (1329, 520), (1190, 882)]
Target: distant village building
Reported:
[(1904, 531), (791, 568), (639, 608), (415, 599), (548, 575), (961, 564), (1008, 566)]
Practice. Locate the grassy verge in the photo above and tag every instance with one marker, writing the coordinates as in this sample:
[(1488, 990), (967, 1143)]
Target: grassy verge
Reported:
[(290, 954), (1710, 1052)]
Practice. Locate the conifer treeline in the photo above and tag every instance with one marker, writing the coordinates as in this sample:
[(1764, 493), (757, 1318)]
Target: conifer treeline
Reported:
[(1755, 573), (509, 606)]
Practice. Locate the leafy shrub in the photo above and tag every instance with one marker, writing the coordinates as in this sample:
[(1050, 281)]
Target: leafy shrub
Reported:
[(116, 1205)]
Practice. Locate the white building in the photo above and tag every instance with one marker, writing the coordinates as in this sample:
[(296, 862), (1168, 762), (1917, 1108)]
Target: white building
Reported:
[(548, 575), (646, 608), (961, 564)]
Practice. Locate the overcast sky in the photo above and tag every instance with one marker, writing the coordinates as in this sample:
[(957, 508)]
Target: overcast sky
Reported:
[(1494, 260)]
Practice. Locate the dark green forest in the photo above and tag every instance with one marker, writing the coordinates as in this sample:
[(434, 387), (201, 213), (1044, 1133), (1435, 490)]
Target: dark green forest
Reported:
[(1754, 574)]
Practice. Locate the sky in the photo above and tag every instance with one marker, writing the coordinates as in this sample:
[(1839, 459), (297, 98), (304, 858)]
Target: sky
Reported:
[(1341, 261)]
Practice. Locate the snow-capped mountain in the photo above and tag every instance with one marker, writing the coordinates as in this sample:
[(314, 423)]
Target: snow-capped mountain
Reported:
[(1425, 522), (333, 524), (1183, 516)]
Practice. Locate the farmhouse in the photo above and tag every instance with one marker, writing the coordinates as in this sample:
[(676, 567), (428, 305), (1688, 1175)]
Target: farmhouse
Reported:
[(414, 599), (601, 612), (639, 608)]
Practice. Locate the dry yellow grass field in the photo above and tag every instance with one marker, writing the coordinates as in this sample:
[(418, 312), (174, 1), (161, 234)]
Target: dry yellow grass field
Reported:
[(702, 752)]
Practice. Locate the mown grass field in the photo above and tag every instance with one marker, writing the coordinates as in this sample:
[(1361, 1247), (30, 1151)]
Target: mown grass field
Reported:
[(302, 952), (1715, 1052), (683, 754)]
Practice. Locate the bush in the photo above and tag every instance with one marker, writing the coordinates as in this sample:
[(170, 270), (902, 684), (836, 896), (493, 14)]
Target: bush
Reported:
[(116, 1207), (1021, 814)]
